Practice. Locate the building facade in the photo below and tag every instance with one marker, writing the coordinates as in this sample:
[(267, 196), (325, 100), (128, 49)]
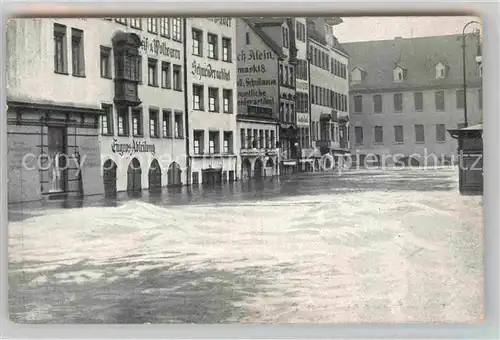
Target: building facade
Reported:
[(329, 94), (211, 74), (258, 59), (406, 94)]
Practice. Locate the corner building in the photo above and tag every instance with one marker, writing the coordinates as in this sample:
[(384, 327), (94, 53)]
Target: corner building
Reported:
[(211, 100)]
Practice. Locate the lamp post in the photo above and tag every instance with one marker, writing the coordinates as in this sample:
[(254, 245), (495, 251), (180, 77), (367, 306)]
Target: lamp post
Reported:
[(476, 31)]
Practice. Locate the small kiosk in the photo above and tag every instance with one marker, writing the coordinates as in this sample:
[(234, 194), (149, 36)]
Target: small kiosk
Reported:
[(470, 159)]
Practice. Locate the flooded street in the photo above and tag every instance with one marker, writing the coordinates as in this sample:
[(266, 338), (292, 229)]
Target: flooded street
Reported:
[(366, 246)]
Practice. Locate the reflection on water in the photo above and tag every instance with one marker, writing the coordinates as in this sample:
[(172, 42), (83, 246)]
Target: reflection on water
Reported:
[(379, 246)]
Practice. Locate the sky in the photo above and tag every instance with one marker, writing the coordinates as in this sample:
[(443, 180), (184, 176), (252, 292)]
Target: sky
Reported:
[(382, 28)]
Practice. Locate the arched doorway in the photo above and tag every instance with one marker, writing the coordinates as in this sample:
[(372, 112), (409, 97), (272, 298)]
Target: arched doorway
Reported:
[(246, 168), (174, 174), (134, 176), (109, 177), (154, 177), (269, 167), (258, 167)]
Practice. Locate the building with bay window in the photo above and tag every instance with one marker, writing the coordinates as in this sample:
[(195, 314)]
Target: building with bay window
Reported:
[(212, 144)]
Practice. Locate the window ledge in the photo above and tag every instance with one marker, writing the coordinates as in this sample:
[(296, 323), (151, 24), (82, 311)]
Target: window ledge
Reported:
[(420, 142), (61, 73), (123, 135), (227, 61), (79, 75), (398, 143), (155, 137), (166, 87), (107, 77), (180, 137), (178, 90), (169, 137), (441, 141), (138, 136), (153, 85)]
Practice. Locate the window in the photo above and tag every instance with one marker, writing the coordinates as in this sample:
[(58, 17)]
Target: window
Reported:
[(379, 134), (137, 122), (213, 142), (60, 54), (196, 177), (281, 74), (255, 141), (197, 97), (179, 127), (243, 139), (105, 62), (136, 23), (261, 139), (228, 100), (77, 53), (439, 100), (212, 46), (440, 132), (153, 25), (107, 120), (398, 134), (282, 111), (228, 142), (358, 133), (418, 99), (480, 98), (198, 141), (226, 49), (249, 139), (122, 21), (292, 77), (287, 112), (176, 29), (377, 103), (177, 79), (153, 123), (213, 99), (285, 37), (398, 102), (460, 99), (197, 42), (164, 24), (419, 133), (123, 121), (358, 104), (292, 113), (273, 141), (286, 76), (267, 139), (165, 75), (152, 72), (247, 38), (166, 125), (301, 32)]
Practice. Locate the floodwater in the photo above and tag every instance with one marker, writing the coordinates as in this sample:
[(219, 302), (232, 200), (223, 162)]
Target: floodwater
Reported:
[(364, 246)]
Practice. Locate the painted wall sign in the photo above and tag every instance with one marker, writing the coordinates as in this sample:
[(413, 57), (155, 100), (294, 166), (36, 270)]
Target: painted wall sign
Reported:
[(255, 97), (130, 148), (255, 54), (303, 119), (157, 47), (222, 21), (208, 72), (302, 86)]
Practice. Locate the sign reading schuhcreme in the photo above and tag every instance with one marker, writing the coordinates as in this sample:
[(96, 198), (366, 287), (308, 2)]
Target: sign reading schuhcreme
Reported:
[(157, 47), (130, 148), (207, 72)]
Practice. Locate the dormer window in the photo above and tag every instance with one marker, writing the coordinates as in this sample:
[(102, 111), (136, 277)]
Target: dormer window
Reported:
[(399, 74), (357, 75), (441, 70)]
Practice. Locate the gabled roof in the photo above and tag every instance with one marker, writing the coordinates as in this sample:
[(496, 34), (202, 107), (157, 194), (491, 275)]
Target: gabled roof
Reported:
[(359, 68), (418, 55), (255, 24)]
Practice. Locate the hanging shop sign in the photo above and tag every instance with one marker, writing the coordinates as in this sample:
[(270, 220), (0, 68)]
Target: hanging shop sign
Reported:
[(131, 148)]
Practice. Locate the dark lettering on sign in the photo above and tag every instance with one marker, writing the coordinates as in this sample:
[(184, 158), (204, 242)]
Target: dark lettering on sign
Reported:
[(135, 146), (255, 102), (208, 72), (250, 82), (156, 46), (252, 69), (255, 55), (222, 21), (303, 118)]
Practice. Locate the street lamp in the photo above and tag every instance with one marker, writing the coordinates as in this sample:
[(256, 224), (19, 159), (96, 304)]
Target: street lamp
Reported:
[(475, 32)]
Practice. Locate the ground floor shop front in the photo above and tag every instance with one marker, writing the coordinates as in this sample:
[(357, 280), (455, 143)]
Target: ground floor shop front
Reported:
[(259, 163), (213, 170)]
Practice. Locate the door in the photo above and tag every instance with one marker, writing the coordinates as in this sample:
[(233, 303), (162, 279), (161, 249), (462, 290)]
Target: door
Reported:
[(57, 158)]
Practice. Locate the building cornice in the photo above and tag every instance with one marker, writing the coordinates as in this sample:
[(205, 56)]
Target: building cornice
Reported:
[(404, 88), (54, 107)]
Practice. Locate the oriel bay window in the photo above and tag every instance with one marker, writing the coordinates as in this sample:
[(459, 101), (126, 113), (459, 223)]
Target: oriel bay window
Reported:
[(107, 120), (197, 97), (127, 68), (137, 122), (213, 99), (153, 123), (123, 123), (228, 142), (77, 52), (198, 141), (227, 100), (166, 76), (166, 124), (226, 49), (212, 46), (60, 54), (197, 42), (179, 127), (213, 142), (152, 72)]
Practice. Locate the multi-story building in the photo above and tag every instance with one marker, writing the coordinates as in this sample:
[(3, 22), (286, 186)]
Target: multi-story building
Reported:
[(329, 91), (211, 87), (258, 59), (406, 94)]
